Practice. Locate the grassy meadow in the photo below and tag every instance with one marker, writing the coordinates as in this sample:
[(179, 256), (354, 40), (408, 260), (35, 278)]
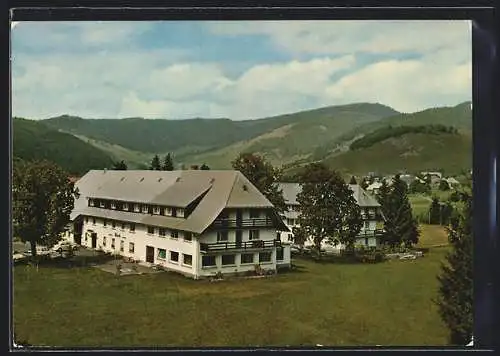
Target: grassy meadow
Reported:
[(319, 303)]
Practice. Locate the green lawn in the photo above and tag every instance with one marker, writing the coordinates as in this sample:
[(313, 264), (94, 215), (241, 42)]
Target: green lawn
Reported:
[(328, 304), (420, 203)]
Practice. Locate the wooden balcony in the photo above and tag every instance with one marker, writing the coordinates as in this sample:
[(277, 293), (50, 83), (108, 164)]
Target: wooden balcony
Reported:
[(247, 245), (371, 233), (242, 223)]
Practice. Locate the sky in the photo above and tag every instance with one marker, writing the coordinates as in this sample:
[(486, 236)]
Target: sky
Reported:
[(235, 69)]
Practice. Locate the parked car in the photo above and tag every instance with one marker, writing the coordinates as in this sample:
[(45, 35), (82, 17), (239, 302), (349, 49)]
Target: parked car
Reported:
[(65, 246), (408, 257), (17, 257), (40, 251)]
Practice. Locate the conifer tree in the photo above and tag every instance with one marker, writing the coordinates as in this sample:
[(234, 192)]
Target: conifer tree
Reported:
[(155, 164), (120, 166), (168, 164), (353, 180), (400, 225), (435, 212), (455, 299), (364, 184)]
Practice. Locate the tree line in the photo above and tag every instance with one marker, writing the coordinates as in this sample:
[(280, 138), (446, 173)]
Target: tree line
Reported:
[(391, 131), (156, 164)]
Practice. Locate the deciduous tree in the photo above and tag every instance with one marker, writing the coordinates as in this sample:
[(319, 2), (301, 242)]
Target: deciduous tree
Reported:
[(263, 175), (43, 198), (204, 167), (327, 209)]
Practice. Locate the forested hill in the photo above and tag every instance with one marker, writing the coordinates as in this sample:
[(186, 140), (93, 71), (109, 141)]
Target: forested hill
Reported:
[(203, 134), (34, 140)]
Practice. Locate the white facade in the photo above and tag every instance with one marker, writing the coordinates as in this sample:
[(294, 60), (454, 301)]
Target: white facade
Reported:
[(369, 214), (177, 252)]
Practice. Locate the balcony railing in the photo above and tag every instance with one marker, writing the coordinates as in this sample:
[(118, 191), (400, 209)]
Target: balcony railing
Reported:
[(371, 233), (252, 222), (247, 245), (371, 216)]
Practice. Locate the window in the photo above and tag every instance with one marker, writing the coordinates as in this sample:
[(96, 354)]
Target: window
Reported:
[(112, 243), (265, 257), (279, 254), (162, 210), (246, 258), (367, 225), (174, 234), (132, 227), (162, 254), (91, 202), (278, 236), (125, 206), (101, 204), (169, 211), (254, 235), (131, 247), (113, 224), (113, 205), (156, 210), (254, 213), (174, 212), (222, 236), (123, 226), (104, 241), (207, 261), (174, 256), (227, 260), (187, 259), (366, 241), (122, 245), (86, 219), (187, 236), (144, 208), (137, 208), (161, 231), (93, 221), (151, 230), (180, 213), (105, 222), (290, 237), (150, 210)]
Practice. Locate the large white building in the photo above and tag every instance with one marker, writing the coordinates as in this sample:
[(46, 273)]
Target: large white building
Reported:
[(194, 222), (369, 235)]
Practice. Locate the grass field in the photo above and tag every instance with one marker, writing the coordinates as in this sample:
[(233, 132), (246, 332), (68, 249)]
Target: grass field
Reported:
[(329, 304)]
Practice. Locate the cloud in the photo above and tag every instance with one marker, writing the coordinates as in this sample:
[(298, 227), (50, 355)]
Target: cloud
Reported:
[(104, 69), (349, 36)]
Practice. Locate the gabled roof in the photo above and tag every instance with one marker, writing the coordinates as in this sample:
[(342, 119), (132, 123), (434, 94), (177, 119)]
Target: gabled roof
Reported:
[(217, 190), (291, 190)]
